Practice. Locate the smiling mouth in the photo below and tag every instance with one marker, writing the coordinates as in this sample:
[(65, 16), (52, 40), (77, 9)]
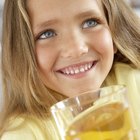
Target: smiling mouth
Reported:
[(77, 69)]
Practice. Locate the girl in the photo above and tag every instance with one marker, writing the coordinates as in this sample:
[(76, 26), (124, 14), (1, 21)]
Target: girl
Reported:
[(56, 49)]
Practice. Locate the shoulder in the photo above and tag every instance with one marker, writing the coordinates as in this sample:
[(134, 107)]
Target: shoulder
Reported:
[(130, 77), (127, 75), (124, 67), (126, 72), (18, 129), (24, 128)]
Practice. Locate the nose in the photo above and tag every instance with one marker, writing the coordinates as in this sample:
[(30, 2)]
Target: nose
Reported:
[(74, 46)]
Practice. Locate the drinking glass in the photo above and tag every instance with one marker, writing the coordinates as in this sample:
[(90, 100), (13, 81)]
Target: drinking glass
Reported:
[(104, 114)]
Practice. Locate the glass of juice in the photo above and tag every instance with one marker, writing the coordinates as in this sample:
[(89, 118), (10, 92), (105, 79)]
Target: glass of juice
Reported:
[(104, 114)]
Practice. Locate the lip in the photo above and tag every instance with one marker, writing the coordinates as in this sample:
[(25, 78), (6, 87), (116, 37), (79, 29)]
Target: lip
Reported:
[(81, 73)]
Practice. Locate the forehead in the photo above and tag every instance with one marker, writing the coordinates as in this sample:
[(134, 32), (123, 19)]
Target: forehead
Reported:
[(61, 7), (61, 11)]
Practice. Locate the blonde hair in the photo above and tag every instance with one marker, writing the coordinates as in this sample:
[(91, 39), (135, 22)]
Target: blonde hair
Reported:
[(125, 28), (23, 90)]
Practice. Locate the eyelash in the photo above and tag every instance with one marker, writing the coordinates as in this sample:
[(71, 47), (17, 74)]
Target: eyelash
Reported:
[(95, 20), (43, 34)]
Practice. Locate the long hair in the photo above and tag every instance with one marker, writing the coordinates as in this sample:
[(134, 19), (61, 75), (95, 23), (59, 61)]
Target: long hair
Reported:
[(125, 29), (23, 90)]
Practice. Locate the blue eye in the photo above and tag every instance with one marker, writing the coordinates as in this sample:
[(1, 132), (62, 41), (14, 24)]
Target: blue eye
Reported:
[(47, 34), (90, 23)]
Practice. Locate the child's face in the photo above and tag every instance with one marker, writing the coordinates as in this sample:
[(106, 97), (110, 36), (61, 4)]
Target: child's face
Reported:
[(74, 48)]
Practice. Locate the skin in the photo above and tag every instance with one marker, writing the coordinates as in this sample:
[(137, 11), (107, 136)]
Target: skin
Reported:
[(70, 39)]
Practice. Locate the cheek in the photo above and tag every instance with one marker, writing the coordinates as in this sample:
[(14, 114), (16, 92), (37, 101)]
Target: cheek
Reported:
[(104, 42), (44, 56), (101, 40)]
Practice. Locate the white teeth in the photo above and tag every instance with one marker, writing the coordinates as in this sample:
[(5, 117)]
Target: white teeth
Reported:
[(86, 67), (82, 69), (76, 70), (67, 71), (89, 65), (72, 72)]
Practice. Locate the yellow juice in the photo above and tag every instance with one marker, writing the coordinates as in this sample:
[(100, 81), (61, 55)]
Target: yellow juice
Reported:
[(109, 122)]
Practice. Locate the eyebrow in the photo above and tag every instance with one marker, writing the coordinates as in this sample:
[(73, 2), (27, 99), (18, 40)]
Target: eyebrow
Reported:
[(88, 13), (50, 22)]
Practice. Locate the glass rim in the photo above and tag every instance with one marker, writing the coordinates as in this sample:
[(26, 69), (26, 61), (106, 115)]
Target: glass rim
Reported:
[(62, 104)]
